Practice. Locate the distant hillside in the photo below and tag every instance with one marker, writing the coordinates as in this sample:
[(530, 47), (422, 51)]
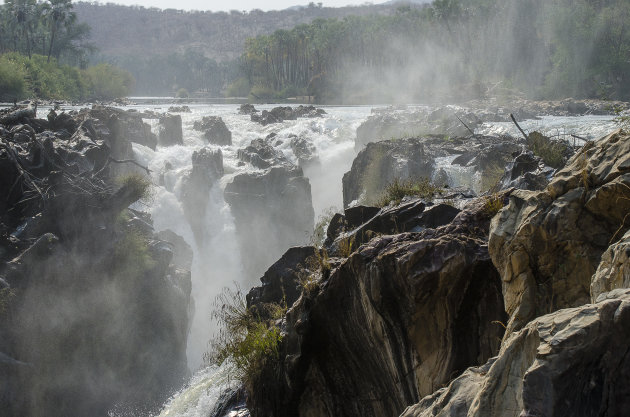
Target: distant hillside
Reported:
[(130, 30)]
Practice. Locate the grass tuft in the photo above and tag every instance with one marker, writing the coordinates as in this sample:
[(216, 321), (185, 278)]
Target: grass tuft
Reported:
[(552, 152), (399, 189)]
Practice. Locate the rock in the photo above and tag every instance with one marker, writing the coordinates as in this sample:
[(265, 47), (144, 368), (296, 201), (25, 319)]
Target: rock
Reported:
[(170, 130), (182, 252), (613, 270), (214, 130), (179, 109), (281, 283), (304, 151), (207, 169), (567, 363), (247, 109), (126, 127), (272, 206), (262, 155), (280, 114), (547, 244), (526, 172), (364, 343)]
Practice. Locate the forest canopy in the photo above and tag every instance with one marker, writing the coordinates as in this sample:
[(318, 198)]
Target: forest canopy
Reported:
[(450, 49)]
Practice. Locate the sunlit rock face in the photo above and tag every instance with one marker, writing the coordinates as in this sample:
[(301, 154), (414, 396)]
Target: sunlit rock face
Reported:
[(398, 318), (568, 363), (95, 306), (271, 204), (547, 245)]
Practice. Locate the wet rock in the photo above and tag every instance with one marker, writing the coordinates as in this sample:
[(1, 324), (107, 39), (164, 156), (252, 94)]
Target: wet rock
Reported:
[(207, 169), (567, 363), (262, 155), (272, 206), (280, 114), (474, 163), (214, 130), (368, 329), (304, 151), (170, 130), (247, 109), (179, 109), (548, 244)]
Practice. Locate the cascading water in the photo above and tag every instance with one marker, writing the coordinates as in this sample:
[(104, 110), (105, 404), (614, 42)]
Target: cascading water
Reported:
[(217, 260)]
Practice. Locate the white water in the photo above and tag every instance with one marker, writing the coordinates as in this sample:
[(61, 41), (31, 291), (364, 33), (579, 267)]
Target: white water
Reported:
[(218, 262)]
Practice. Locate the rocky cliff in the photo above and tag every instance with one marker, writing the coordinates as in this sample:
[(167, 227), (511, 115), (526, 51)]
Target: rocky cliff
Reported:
[(94, 306), (427, 310)]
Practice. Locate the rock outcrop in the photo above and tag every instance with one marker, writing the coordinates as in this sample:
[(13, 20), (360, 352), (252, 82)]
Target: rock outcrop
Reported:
[(207, 169), (271, 205), (548, 244), (94, 309), (280, 114), (573, 362), (475, 163), (170, 130), (214, 130), (401, 316)]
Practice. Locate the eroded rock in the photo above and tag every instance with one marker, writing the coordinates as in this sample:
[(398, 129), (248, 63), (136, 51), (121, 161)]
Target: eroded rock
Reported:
[(214, 130)]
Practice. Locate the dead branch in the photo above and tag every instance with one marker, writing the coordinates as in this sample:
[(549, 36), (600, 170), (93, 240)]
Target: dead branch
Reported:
[(519, 127)]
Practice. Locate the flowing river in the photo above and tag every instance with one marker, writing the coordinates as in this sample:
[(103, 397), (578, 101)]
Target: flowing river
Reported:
[(218, 262)]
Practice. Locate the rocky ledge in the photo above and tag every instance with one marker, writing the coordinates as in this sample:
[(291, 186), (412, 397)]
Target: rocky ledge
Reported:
[(94, 306)]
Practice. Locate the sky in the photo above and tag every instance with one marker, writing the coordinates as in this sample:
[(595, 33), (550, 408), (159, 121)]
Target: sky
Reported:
[(241, 5)]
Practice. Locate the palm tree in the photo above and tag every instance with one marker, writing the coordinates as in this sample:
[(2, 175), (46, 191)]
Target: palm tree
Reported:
[(59, 12)]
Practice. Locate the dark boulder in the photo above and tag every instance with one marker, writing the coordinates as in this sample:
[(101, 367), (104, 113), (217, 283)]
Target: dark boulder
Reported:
[(214, 130), (247, 109), (304, 151), (170, 130)]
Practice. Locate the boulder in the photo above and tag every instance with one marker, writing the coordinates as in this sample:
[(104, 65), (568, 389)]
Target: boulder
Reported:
[(548, 244), (214, 130), (179, 109), (247, 109), (170, 130), (568, 363), (398, 318), (280, 114), (526, 172), (274, 206), (262, 155), (304, 151), (614, 269), (207, 169)]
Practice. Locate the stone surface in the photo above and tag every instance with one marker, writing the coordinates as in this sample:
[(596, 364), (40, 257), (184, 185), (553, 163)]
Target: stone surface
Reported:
[(400, 317), (573, 362), (548, 244), (207, 169), (614, 269), (170, 130), (214, 130)]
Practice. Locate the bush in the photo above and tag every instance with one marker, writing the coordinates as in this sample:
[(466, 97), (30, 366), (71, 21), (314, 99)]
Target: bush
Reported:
[(138, 185), (107, 82), (239, 88), (493, 204), (245, 340), (182, 93), (398, 189), (552, 152), (263, 93), (12, 79)]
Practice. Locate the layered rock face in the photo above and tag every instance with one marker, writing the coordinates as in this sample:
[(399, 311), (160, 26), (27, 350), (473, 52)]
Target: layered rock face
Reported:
[(94, 306), (271, 204), (573, 362), (395, 320), (548, 244), (379, 163)]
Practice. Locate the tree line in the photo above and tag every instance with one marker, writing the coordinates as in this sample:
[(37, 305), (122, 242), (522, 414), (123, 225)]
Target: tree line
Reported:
[(450, 49)]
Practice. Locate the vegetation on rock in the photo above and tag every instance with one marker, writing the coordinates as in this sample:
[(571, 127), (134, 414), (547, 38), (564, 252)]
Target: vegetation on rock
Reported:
[(399, 189)]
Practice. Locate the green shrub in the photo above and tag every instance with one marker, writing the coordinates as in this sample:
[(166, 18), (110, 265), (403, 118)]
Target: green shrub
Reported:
[(398, 189), (245, 340), (493, 204), (239, 88), (182, 93), (552, 152), (138, 185), (107, 82), (12, 79), (131, 257)]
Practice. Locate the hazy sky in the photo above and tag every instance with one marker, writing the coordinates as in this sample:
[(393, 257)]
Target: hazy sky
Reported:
[(233, 4)]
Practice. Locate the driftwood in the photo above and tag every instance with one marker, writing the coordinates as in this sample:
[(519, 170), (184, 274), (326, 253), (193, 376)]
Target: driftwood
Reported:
[(122, 161)]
